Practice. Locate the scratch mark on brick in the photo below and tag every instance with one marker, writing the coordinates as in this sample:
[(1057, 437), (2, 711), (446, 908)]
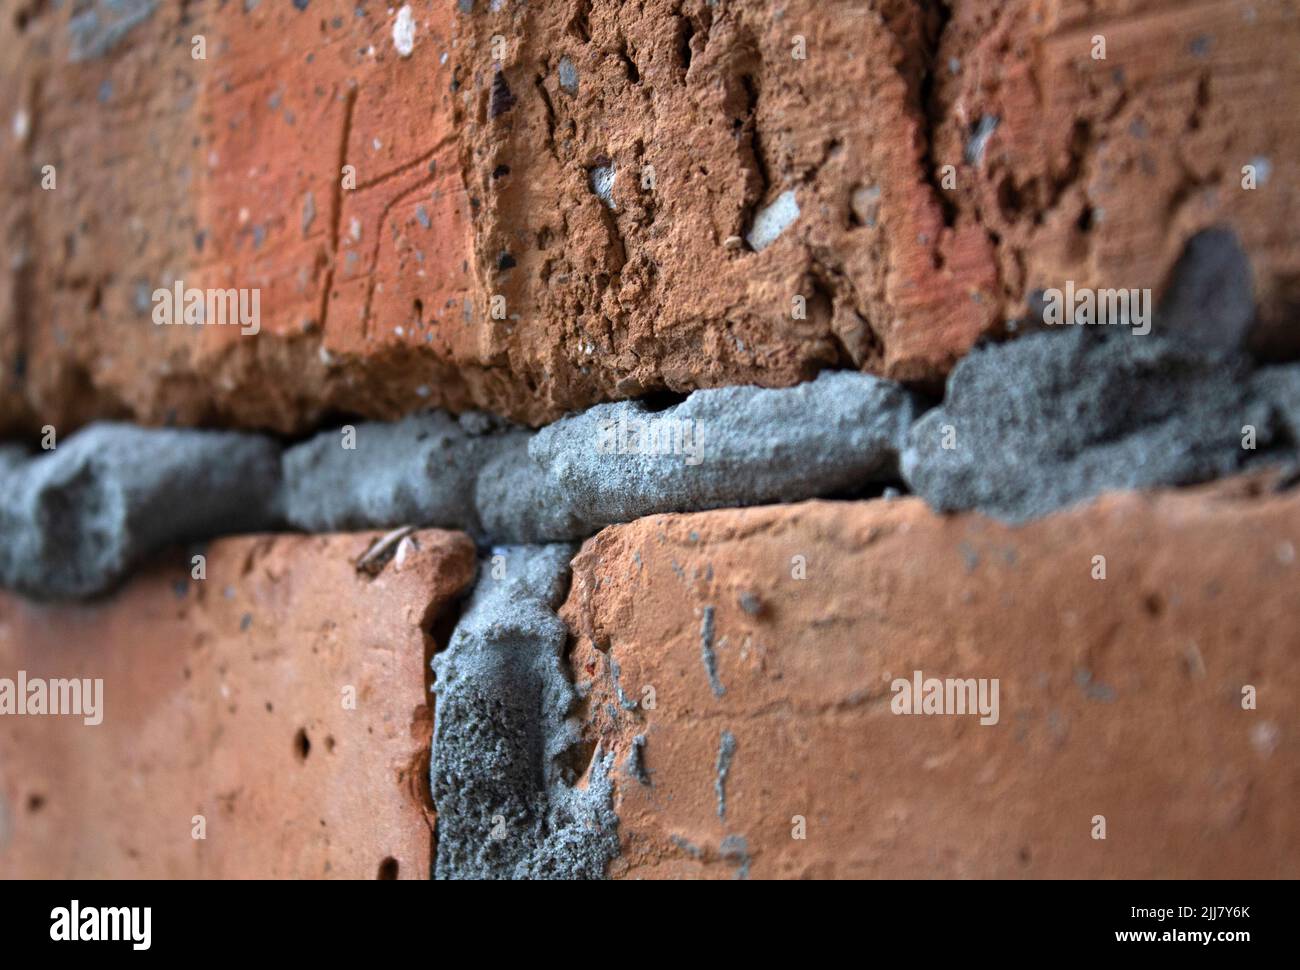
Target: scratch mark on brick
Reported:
[(336, 202), (392, 173), (349, 106)]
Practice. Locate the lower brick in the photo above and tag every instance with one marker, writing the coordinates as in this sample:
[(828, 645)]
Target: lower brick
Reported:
[(1121, 700), (228, 712)]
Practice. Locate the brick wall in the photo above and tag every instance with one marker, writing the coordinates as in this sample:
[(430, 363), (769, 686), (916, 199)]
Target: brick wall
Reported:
[(515, 212)]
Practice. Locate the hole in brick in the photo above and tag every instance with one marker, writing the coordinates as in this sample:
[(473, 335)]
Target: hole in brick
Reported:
[(1011, 201), (1154, 604), (633, 74), (302, 744), (580, 24), (329, 743), (388, 868), (35, 802), (576, 760), (821, 305)]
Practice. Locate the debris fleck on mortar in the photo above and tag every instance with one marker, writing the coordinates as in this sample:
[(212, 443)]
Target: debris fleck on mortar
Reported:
[(504, 785)]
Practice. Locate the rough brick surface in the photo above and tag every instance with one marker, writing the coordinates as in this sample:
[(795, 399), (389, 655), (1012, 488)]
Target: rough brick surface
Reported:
[(228, 172), (1100, 171), (515, 169), (225, 698), (1118, 697)]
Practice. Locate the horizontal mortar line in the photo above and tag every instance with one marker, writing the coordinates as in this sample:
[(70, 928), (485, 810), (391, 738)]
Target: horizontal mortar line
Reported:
[(841, 435)]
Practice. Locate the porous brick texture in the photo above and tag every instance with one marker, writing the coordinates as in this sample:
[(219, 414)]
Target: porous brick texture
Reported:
[(283, 699), (475, 161), (529, 209), (1119, 697)]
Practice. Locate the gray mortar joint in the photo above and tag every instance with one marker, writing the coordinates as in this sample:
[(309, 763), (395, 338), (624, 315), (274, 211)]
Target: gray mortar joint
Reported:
[(77, 518), (1025, 428), (502, 774)]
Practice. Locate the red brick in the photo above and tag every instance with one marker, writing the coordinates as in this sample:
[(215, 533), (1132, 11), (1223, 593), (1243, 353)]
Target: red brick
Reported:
[(1099, 171), (1119, 698), (225, 698)]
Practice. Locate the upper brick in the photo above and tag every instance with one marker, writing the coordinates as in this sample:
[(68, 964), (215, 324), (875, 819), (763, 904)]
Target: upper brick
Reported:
[(668, 197)]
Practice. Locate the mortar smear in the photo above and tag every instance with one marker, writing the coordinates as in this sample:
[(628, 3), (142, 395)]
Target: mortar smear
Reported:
[(502, 774)]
